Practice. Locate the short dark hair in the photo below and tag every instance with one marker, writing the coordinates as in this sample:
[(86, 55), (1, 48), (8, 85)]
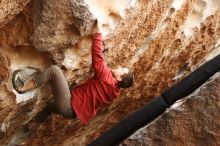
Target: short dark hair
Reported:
[(127, 80)]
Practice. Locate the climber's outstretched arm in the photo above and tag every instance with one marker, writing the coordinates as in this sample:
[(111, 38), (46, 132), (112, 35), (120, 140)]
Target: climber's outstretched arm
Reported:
[(98, 61)]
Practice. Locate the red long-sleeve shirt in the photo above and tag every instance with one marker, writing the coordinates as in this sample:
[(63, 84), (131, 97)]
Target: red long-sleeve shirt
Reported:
[(97, 90)]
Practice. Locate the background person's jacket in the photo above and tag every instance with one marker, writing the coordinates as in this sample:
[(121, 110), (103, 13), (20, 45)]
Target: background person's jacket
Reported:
[(100, 89)]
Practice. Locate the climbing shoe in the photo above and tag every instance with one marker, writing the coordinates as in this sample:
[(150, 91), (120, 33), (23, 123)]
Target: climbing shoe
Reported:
[(17, 81), (43, 115), (20, 76)]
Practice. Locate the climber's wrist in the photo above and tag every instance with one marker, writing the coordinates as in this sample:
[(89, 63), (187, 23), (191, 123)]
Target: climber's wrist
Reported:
[(99, 30)]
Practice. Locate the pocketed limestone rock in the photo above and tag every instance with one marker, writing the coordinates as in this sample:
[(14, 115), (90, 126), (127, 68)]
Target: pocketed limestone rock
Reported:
[(10, 9), (161, 41), (59, 24)]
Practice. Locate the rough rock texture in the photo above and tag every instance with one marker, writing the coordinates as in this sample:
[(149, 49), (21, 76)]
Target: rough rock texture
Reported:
[(59, 25), (10, 8), (189, 122), (162, 41)]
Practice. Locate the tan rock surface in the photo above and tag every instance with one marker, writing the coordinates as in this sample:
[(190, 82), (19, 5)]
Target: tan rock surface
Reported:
[(194, 121), (162, 41), (10, 8)]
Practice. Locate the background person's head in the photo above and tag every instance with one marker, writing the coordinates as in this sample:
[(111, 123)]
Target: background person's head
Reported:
[(124, 76)]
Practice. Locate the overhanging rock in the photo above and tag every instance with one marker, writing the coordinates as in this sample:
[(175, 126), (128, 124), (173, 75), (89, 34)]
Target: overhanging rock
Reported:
[(161, 41)]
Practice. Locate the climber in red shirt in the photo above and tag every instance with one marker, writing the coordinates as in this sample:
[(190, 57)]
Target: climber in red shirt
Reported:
[(85, 100)]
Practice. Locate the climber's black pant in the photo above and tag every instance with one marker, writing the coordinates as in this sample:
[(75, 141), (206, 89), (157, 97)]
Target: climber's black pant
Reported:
[(60, 90)]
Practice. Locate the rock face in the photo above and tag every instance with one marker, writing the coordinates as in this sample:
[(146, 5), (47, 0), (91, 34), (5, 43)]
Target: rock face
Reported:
[(10, 9), (161, 41), (59, 25), (189, 122)]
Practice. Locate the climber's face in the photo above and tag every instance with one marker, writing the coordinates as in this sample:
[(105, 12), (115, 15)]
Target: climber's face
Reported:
[(119, 72)]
